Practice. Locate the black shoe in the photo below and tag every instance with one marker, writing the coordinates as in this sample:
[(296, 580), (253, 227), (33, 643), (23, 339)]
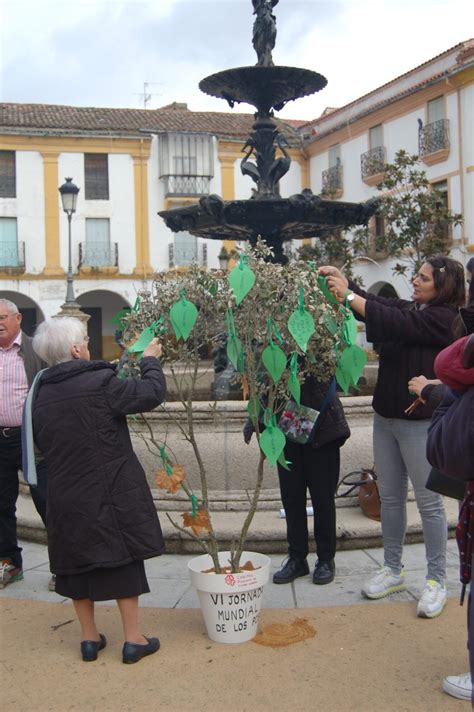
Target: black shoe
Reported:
[(293, 569), (133, 652), (90, 648), (324, 572)]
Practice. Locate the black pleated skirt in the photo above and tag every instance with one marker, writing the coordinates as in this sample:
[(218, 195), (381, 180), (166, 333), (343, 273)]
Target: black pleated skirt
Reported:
[(105, 584)]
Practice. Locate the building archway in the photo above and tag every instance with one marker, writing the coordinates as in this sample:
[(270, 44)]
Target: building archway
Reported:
[(31, 312), (102, 305), (384, 289)]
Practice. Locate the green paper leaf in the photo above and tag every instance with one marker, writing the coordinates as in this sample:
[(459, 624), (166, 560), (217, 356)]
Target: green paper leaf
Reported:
[(272, 443), (119, 316), (183, 317), (301, 327), (343, 380), (294, 386), (352, 363), (284, 462), (143, 340), (330, 323), (136, 306), (349, 329), (234, 351), (323, 286), (241, 279), (274, 361)]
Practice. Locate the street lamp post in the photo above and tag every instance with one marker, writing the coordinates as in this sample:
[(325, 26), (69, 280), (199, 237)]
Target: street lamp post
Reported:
[(69, 193)]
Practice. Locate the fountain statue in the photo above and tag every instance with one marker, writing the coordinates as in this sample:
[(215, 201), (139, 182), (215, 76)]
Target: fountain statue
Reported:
[(266, 214)]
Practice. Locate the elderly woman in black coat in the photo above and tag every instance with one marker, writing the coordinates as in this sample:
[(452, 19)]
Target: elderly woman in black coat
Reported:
[(101, 520)]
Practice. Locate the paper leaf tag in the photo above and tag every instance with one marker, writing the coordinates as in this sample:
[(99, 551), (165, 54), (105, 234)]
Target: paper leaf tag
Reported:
[(241, 279), (183, 316), (274, 361), (349, 329), (294, 387), (301, 327), (353, 360), (272, 443), (143, 340), (342, 379), (330, 323), (234, 351), (323, 286), (120, 316), (284, 462)]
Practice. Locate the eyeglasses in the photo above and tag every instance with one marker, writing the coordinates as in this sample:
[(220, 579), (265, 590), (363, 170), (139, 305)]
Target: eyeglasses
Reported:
[(85, 341)]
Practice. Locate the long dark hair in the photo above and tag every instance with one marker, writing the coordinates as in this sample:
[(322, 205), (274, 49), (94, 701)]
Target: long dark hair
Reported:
[(449, 281), (464, 322)]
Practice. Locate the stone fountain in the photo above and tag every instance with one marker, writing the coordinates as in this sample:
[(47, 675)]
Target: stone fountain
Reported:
[(266, 214)]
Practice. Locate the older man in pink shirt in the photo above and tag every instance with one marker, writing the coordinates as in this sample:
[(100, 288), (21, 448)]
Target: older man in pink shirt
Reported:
[(18, 367)]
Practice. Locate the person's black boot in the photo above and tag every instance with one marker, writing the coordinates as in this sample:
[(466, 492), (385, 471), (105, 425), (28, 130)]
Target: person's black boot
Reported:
[(324, 572), (293, 569)]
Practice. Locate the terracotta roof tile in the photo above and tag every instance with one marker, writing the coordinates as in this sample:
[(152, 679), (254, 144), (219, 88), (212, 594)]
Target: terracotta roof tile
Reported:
[(173, 117)]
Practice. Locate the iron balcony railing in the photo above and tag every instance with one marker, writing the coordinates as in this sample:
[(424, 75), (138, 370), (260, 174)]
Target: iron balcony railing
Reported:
[(186, 185), (372, 162), (332, 180), (433, 137), (98, 254), (12, 255)]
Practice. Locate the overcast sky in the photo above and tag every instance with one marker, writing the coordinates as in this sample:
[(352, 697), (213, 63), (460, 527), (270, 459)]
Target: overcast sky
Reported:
[(100, 52)]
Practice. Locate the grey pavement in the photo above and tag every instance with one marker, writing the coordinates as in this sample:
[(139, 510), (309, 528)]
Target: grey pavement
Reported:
[(171, 588)]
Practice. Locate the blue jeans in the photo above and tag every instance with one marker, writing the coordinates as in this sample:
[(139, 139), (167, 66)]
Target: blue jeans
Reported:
[(400, 453)]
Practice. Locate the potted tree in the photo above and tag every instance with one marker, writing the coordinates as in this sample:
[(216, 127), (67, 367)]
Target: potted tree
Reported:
[(271, 316)]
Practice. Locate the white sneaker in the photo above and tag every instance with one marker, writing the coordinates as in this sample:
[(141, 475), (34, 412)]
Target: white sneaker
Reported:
[(433, 600), (384, 583), (459, 686)]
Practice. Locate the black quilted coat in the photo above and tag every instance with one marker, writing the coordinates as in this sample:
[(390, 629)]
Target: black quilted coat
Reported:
[(100, 511)]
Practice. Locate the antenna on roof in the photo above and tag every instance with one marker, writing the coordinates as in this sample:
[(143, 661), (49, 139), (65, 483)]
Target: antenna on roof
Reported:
[(145, 94)]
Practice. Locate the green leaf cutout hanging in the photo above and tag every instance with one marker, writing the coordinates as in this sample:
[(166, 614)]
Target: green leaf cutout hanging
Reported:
[(272, 443), (241, 279), (120, 316), (330, 323), (343, 380), (353, 360), (301, 327), (183, 316), (323, 286), (301, 324), (294, 386), (284, 462), (235, 352), (349, 327), (143, 340), (274, 360)]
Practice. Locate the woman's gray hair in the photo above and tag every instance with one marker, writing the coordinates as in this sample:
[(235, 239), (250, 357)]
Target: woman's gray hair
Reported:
[(11, 307), (55, 337)]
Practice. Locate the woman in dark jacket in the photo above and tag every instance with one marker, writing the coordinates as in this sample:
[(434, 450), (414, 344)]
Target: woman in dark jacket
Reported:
[(410, 335), (315, 467), (450, 448), (101, 519)]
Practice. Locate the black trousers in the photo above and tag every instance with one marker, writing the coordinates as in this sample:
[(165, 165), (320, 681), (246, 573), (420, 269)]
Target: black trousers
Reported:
[(10, 463), (318, 472)]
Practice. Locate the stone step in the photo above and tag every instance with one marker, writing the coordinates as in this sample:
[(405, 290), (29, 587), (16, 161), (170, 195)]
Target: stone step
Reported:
[(267, 533)]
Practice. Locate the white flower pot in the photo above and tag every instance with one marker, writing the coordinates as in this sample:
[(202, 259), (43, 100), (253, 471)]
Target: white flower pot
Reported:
[(230, 602)]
